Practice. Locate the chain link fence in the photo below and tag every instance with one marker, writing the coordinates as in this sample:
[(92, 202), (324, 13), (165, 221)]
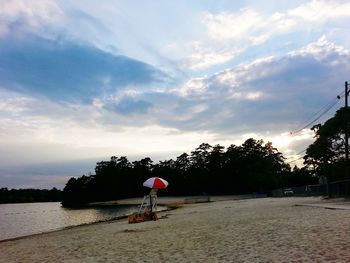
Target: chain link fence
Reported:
[(333, 189)]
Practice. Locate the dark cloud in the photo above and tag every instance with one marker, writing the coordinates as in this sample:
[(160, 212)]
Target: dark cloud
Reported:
[(64, 71), (276, 94), (129, 106)]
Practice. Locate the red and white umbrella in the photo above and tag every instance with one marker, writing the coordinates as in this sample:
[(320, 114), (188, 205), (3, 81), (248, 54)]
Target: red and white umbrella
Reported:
[(156, 182)]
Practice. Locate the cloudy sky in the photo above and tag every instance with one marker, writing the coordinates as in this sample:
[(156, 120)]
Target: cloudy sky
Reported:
[(83, 80)]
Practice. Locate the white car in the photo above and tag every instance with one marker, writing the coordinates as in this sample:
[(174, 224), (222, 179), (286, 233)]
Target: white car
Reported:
[(288, 192)]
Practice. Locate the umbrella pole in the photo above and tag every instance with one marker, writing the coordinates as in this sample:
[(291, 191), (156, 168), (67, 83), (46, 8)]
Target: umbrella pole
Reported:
[(150, 200), (153, 198)]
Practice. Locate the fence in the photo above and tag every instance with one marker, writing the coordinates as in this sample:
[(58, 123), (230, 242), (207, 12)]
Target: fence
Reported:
[(339, 188), (335, 189)]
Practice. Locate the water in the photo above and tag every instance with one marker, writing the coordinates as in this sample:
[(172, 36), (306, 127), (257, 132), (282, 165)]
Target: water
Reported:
[(18, 220)]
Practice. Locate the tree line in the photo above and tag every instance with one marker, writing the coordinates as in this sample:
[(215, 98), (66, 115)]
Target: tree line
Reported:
[(254, 166), (29, 195)]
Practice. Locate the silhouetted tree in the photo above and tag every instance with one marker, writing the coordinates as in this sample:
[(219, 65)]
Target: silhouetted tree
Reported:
[(29, 195), (251, 167), (326, 156)]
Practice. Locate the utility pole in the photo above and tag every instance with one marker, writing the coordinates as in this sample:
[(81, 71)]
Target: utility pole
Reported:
[(346, 93), (346, 132)]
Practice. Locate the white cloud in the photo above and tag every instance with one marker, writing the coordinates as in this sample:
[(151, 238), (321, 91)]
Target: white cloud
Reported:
[(66, 139), (246, 72), (319, 11), (235, 32), (15, 105), (226, 26), (18, 14), (321, 49), (203, 59), (249, 24), (193, 86), (247, 96), (45, 131)]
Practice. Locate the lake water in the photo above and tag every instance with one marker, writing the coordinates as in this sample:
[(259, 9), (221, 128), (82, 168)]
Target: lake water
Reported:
[(18, 220)]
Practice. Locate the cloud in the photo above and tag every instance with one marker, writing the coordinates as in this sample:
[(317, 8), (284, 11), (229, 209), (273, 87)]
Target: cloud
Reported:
[(320, 11), (322, 50), (204, 57), (65, 71), (20, 16), (245, 98), (227, 26), (251, 25), (230, 35), (73, 95), (129, 106), (269, 94), (44, 174), (21, 181)]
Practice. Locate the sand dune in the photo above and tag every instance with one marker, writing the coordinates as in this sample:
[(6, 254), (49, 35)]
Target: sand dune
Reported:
[(254, 230)]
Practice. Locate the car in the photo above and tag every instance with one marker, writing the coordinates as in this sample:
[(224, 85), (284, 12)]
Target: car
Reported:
[(288, 192)]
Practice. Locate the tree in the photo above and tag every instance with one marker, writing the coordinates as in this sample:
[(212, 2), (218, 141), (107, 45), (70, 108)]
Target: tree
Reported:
[(75, 193), (183, 163), (199, 157), (326, 156), (251, 167), (264, 165)]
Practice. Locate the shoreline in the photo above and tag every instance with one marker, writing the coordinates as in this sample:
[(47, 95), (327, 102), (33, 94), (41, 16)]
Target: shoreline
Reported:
[(108, 220), (248, 230), (64, 228), (171, 202)]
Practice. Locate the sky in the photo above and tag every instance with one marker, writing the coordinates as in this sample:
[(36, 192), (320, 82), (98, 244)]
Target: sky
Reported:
[(81, 81)]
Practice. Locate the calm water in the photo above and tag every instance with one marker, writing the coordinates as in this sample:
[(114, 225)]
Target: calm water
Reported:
[(18, 220)]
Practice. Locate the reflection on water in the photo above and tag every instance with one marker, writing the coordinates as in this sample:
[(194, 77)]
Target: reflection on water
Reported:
[(24, 219)]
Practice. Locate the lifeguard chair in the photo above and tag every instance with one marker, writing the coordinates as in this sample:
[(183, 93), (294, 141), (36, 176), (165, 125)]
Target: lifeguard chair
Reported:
[(148, 206), (149, 202)]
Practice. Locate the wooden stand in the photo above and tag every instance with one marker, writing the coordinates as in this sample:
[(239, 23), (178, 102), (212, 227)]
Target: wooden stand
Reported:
[(141, 217), (147, 208)]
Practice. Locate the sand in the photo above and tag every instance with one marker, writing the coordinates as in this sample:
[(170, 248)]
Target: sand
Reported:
[(254, 230)]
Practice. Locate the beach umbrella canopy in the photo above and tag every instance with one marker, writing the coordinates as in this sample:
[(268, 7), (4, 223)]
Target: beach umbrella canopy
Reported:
[(156, 182)]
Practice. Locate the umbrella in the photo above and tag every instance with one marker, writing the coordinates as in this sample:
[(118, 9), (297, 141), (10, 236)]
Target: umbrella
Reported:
[(156, 182)]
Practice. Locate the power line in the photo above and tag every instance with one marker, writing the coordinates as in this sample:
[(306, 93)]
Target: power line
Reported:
[(320, 113), (296, 160), (327, 105), (301, 152), (299, 157)]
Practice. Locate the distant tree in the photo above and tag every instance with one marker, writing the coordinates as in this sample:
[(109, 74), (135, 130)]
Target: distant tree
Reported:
[(29, 195)]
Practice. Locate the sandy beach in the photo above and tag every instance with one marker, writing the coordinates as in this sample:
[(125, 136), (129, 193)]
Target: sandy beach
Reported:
[(252, 230)]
